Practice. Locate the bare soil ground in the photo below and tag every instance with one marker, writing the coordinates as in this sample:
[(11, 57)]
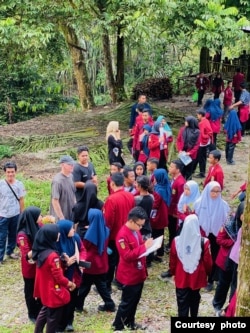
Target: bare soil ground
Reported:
[(155, 308)]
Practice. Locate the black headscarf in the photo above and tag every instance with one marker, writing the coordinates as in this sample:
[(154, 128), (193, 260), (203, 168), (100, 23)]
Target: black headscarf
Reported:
[(27, 222), (191, 133), (45, 243), (232, 226), (88, 200)]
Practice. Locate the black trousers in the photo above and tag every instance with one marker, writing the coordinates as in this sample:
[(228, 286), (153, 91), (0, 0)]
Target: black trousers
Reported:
[(229, 151), (188, 302), (125, 315), (214, 252), (172, 228), (156, 233), (67, 317), (33, 305), (225, 280), (101, 285), (201, 159), (237, 94), (49, 317), (200, 97), (113, 262), (187, 171)]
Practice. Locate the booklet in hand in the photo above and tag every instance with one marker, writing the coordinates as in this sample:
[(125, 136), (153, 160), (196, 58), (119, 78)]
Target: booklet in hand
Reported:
[(85, 264), (186, 159)]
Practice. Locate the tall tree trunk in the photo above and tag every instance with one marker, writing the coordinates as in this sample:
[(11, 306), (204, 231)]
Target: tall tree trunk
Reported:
[(108, 66), (243, 289), (79, 67), (204, 60), (120, 66)]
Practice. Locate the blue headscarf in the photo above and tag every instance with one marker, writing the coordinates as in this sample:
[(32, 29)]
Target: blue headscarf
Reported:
[(232, 125), (166, 127), (156, 128), (67, 244), (97, 232), (163, 186), (145, 139), (189, 199), (212, 106)]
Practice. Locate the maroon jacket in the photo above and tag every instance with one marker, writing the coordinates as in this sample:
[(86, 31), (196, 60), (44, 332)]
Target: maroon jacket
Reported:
[(99, 263), (138, 130), (24, 244), (159, 216), (206, 132), (180, 144), (154, 146), (131, 270), (196, 280), (202, 84), (226, 244), (116, 209), (215, 173), (51, 286), (177, 187), (237, 80)]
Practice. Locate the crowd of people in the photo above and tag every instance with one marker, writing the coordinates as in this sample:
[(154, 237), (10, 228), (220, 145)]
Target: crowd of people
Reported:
[(93, 242)]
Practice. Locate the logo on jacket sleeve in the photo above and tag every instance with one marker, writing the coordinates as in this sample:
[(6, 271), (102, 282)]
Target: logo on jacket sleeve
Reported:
[(122, 244)]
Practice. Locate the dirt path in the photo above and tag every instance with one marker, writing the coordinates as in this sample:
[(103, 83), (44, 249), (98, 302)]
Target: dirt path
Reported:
[(155, 308)]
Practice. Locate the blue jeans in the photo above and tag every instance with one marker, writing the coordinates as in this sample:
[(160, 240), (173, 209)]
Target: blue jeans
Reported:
[(8, 229)]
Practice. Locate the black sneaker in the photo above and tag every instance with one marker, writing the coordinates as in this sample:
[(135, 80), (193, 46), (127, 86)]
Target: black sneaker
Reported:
[(103, 308), (79, 310), (166, 274), (199, 175), (157, 259), (209, 287), (69, 328)]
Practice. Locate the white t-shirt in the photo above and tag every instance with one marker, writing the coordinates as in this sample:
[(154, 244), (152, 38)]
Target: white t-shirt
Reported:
[(9, 205)]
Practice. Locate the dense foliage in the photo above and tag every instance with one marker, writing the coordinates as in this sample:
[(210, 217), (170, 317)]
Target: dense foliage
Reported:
[(54, 52)]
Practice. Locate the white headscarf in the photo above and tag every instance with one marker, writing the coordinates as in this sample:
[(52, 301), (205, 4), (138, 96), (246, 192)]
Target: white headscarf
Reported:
[(188, 244), (189, 200), (212, 213)]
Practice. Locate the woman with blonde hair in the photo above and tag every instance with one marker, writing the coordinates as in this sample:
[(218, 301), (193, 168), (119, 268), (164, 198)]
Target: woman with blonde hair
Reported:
[(113, 138)]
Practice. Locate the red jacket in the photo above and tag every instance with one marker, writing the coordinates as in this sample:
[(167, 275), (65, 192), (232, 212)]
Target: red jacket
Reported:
[(24, 244), (51, 286), (116, 209), (180, 144), (159, 216), (99, 263), (215, 173), (202, 84), (154, 146), (226, 244), (236, 138), (131, 270), (215, 124), (177, 188), (206, 132), (228, 97), (237, 80), (196, 280), (138, 130)]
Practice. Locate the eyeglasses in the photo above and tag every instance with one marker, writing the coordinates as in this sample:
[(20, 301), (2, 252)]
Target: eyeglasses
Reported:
[(214, 191), (139, 225)]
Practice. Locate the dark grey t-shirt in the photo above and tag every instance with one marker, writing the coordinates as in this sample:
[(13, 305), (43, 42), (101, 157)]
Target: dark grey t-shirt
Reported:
[(82, 174)]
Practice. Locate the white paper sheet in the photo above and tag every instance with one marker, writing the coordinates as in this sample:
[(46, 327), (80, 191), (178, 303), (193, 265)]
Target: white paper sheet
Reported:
[(156, 245)]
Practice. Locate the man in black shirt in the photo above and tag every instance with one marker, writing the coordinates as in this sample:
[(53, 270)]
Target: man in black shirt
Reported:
[(83, 171)]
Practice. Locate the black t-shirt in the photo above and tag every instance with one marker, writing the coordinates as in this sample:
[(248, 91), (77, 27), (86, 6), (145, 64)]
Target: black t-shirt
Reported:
[(82, 174), (146, 202)]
